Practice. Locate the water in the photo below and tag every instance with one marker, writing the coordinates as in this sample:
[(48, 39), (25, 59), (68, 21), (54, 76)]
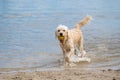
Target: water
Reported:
[(27, 28)]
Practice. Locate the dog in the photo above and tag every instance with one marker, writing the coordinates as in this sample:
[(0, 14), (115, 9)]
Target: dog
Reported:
[(71, 41)]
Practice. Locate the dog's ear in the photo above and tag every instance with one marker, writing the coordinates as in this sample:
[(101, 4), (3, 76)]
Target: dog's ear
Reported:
[(66, 36)]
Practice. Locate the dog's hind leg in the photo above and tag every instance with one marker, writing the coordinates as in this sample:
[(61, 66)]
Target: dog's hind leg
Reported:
[(77, 51), (81, 47)]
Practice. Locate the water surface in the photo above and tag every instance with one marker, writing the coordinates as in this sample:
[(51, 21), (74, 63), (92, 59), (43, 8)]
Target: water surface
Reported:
[(27, 28)]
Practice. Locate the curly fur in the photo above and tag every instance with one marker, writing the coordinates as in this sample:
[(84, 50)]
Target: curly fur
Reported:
[(73, 39)]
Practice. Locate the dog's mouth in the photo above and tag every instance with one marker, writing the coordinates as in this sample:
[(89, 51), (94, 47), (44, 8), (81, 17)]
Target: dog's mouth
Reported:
[(61, 38)]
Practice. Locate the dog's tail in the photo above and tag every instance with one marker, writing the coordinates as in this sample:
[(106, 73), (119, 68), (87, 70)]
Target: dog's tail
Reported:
[(83, 22)]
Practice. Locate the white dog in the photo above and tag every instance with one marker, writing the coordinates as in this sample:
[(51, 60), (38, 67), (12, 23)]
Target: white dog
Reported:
[(71, 41)]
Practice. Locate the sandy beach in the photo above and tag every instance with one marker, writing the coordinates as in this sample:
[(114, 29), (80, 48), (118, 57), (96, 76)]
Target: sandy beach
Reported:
[(28, 45), (67, 74)]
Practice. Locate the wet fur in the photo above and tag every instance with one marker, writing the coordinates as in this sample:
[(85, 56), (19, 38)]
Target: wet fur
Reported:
[(72, 39)]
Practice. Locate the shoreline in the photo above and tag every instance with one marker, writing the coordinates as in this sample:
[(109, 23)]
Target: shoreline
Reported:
[(66, 74)]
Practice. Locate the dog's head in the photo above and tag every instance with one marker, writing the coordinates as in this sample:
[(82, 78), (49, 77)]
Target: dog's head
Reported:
[(61, 32)]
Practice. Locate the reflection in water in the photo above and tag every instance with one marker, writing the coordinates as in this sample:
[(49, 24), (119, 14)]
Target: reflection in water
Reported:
[(27, 28)]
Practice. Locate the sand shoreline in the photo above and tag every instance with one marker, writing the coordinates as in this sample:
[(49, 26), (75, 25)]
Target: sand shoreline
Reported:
[(67, 74)]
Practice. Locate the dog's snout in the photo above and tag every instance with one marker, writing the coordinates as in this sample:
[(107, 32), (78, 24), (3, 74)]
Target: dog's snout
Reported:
[(61, 34)]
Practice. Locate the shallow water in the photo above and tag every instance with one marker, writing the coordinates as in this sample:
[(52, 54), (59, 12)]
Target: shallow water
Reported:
[(27, 39)]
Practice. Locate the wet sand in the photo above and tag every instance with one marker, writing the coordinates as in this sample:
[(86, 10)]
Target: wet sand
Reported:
[(67, 74), (23, 47)]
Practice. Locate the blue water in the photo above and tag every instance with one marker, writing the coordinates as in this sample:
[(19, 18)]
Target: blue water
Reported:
[(27, 29)]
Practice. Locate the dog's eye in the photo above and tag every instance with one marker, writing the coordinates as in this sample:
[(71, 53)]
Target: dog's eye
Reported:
[(63, 30), (58, 30)]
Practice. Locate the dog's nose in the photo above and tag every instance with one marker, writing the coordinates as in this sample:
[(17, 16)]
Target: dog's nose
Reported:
[(61, 34)]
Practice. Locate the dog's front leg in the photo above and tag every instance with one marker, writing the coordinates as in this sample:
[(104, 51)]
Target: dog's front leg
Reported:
[(69, 55), (63, 50)]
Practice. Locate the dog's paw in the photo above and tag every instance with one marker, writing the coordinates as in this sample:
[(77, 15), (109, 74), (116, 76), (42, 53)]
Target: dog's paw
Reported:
[(79, 54), (83, 53), (74, 58)]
